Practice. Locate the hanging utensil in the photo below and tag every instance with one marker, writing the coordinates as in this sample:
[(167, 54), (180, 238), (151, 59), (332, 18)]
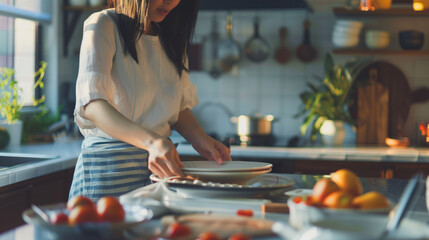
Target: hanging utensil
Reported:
[(257, 49), (210, 59), (229, 51), (282, 54), (306, 52)]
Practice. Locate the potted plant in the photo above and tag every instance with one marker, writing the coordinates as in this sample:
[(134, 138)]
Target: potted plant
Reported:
[(326, 105), (10, 104)]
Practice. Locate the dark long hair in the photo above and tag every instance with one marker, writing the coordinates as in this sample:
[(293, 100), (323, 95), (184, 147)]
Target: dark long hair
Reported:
[(175, 31)]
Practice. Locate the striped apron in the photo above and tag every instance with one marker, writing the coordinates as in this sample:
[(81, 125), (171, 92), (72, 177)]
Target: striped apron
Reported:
[(107, 167)]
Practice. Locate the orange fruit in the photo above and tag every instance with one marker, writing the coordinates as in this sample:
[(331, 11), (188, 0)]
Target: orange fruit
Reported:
[(83, 214), (338, 199), (370, 200), (110, 209), (347, 181), (79, 201), (323, 188)]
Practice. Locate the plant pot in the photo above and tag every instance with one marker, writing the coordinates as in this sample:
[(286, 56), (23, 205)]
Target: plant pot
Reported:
[(15, 132), (333, 133)]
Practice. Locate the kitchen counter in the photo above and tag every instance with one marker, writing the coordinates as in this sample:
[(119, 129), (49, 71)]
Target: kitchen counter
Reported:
[(392, 188), (370, 154), (65, 153)]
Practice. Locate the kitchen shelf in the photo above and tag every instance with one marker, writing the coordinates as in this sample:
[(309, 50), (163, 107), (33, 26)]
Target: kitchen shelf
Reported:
[(393, 12), (69, 24), (368, 52)]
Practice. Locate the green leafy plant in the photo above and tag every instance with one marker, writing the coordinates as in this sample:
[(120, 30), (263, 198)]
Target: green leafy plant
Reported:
[(10, 103), (331, 98)]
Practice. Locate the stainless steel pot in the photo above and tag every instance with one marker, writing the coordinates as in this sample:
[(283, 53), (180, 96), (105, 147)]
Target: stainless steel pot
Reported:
[(253, 125)]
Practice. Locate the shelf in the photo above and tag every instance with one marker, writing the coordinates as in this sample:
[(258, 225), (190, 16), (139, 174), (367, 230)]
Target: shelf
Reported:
[(393, 12), (369, 52)]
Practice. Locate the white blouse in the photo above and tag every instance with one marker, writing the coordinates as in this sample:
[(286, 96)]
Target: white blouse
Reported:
[(149, 93)]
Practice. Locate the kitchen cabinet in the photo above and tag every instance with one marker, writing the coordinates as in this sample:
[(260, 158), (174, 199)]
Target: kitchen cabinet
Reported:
[(47, 189)]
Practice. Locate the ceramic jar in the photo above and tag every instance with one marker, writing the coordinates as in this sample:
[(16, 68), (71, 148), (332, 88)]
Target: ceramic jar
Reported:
[(333, 133)]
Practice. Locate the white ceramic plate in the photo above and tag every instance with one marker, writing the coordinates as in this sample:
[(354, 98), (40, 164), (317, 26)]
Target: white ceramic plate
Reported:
[(227, 166), (259, 185), (227, 177), (134, 215)]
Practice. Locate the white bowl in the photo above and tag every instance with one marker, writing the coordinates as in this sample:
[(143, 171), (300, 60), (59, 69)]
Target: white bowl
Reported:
[(349, 24), (377, 34), (377, 43), (301, 215), (341, 41), (346, 30)]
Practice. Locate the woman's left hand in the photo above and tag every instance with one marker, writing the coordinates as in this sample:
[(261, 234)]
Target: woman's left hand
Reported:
[(213, 150)]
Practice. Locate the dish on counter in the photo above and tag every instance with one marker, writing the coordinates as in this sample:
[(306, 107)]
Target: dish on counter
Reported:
[(262, 184), (302, 214), (227, 166), (227, 177), (134, 215), (351, 227)]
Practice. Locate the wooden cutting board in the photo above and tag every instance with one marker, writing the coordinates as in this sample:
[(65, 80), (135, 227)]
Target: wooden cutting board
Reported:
[(222, 225), (382, 108)]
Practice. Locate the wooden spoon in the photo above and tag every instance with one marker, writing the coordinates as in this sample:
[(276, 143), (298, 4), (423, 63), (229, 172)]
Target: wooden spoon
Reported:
[(282, 53)]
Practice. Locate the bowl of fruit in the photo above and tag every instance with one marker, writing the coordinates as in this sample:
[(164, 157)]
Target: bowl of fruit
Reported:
[(339, 195), (83, 218)]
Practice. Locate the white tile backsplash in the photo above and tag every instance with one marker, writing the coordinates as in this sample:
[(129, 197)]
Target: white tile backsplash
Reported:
[(271, 88)]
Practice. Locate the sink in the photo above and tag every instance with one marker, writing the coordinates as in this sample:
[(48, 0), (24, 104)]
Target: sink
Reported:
[(8, 160)]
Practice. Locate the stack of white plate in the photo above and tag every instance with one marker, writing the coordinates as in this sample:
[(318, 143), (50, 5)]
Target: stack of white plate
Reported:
[(233, 172), (346, 33)]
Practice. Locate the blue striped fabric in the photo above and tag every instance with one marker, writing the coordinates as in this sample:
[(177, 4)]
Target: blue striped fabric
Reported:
[(109, 168)]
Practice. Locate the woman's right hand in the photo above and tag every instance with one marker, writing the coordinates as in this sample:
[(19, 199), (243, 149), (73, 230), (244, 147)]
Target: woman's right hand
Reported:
[(164, 159)]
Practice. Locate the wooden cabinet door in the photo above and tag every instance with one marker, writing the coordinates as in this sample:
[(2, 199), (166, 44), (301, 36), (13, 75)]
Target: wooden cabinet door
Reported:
[(12, 204)]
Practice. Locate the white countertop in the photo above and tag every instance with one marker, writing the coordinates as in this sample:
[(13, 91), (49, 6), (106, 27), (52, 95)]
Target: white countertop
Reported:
[(65, 152)]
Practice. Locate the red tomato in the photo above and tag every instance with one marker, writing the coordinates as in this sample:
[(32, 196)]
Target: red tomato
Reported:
[(307, 200), (245, 212), (110, 209), (208, 236), (178, 230), (79, 201), (82, 214), (60, 218), (239, 236)]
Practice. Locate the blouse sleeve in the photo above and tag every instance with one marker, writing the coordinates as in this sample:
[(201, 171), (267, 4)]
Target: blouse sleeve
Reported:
[(95, 63), (189, 90)]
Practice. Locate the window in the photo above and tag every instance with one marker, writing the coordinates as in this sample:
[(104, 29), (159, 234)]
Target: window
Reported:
[(19, 24)]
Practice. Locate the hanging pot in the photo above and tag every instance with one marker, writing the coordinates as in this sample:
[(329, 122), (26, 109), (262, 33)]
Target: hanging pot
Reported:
[(229, 50), (257, 49), (253, 125), (210, 58), (306, 52)]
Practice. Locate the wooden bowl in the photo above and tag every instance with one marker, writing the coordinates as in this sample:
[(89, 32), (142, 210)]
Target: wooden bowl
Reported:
[(397, 142)]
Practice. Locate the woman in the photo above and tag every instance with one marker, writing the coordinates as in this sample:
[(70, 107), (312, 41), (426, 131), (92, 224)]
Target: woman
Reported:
[(132, 88)]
